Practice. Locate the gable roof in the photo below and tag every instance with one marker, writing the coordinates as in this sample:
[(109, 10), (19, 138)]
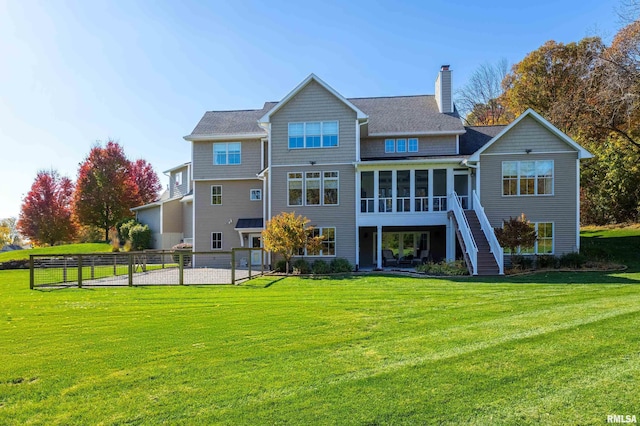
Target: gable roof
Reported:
[(312, 77), (223, 124), (397, 115), (582, 153), (476, 137)]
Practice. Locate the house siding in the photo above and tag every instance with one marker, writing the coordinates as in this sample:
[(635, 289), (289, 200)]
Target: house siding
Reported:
[(179, 190), (172, 216), (528, 134), (559, 208), (427, 145), (250, 161), (313, 103), (215, 218), (187, 220), (342, 216)]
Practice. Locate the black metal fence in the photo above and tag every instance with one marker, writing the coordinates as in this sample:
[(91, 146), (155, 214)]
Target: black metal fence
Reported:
[(146, 268)]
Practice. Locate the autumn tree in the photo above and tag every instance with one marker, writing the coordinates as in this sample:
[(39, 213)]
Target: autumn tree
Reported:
[(146, 180), (5, 235), (11, 223), (516, 233), (479, 101), (287, 234), (106, 189), (46, 212)]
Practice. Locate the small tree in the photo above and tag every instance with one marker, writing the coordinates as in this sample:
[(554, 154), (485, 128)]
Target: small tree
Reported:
[(516, 232), (288, 234)]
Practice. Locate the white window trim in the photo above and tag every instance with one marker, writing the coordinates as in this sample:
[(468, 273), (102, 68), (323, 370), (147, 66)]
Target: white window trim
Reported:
[(417, 144), (553, 179), (178, 178), (227, 151), (211, 195), (304, 188), (335, 244), (535, 245), (387, 151), (304, 134), (256, 191), (221, 241), (406, 145)]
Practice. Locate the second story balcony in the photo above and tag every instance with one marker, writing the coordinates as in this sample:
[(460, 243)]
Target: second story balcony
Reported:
[(410, 196)]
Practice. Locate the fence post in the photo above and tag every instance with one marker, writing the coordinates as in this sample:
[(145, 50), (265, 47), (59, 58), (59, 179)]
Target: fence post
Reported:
[(261, 261), (80, 271), (31, 272), (233, 266), (130, 256), (181, 268), (115, 271), (64, 269), (93, 267), (249, 262)]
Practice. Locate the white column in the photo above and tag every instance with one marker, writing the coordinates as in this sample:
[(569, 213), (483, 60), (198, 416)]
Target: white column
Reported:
[(379, 248), (376, 190), (412, 189), (451, 241), (358, 198), (450, 181), (430, 185), (394, 189)]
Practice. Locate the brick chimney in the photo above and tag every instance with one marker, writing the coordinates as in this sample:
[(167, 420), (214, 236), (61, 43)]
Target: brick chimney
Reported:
[(444, 93)]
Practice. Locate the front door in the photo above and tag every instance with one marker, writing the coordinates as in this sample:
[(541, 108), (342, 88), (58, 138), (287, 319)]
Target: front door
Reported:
[(255, 241)]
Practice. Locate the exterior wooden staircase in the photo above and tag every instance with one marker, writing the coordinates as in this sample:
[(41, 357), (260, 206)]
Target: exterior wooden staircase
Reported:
[(487, 264)]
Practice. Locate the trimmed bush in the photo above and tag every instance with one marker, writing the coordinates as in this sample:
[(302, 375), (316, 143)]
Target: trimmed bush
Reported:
[(572, 260), (124, 230), (546, 261), (458, 267), (521, 262), (140, 237), (340, 265), (301, 266), (281, 266), (320, 267)]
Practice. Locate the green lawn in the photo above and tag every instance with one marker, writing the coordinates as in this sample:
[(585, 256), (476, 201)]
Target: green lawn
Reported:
[(552, 348), (64, 249)]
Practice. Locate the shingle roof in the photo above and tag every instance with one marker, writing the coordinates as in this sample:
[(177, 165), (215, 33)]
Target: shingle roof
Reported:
[(476, 137), (232, 122), (387, 115), (406, 114)]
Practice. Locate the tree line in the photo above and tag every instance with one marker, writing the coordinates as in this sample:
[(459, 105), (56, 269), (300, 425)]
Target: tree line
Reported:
[(108, 185), (590, 91)]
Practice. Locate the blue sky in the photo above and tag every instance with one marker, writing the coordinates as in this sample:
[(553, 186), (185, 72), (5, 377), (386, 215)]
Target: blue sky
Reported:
[(144, 72)]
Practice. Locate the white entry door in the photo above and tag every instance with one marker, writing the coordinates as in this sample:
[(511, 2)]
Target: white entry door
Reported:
[(255, 241)]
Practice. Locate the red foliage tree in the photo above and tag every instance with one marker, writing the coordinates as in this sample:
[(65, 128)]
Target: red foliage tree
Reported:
[(46, 213), (106, 189), (147, 181)]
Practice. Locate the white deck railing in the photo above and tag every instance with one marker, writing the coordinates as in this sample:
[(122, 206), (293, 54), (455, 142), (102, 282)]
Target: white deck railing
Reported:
[(494, 245), (465, 231)]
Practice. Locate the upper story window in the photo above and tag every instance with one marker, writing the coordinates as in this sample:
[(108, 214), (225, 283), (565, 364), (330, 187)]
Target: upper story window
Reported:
[(527, 177), (255, 195), (319, 188), (314, 134), (400, 145), (178, 178), (216, 195), (227, 153)]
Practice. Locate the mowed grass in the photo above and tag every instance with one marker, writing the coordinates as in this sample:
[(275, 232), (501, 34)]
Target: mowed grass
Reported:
[(64, 249), (551, 348)]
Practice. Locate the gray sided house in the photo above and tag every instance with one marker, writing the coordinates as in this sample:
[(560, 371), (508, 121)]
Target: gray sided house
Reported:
[(388, 181)]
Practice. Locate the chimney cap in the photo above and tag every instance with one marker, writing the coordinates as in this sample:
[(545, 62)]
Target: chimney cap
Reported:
[(444, 68)]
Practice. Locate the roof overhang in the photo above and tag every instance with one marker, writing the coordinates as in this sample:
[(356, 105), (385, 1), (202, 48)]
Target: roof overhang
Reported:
[(173, 169), (582, 153), (396, 162), (224, 137), (187, 199), (312, 77), (423, 133), (147, 206)]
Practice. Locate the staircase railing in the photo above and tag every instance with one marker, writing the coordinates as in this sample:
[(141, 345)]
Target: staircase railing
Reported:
[(465, 231), (494, 245)]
